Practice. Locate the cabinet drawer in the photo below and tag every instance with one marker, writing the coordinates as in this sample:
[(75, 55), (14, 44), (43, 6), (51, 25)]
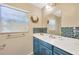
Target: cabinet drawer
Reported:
[(49, 46), (59, 51), (44, 50)]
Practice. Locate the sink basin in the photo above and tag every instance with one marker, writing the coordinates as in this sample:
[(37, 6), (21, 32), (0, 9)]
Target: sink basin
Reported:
[(49, 36)]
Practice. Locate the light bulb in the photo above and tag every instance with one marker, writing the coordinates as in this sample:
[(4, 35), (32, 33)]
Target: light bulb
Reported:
[(48, 7)]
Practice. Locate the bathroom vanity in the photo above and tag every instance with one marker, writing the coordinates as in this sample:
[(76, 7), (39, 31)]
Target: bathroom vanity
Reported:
[(47, 44)]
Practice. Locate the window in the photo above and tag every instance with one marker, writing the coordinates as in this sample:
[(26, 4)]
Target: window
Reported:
[(13, 20)]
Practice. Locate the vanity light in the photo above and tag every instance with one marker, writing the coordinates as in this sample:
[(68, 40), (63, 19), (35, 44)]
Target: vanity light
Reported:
[(51, 8), (48, 9), (34, 19)]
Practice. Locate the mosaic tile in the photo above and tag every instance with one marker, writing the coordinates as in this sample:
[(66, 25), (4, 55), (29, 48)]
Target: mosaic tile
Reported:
[(67, 32), (39, 30)]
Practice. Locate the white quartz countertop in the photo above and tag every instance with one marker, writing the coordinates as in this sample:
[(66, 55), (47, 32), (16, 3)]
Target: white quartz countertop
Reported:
[(70, 45)]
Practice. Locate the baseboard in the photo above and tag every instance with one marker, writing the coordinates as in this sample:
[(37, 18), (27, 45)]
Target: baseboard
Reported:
[(31, 53)]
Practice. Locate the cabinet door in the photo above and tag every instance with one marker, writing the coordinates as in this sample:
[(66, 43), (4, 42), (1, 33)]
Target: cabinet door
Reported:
[(58, 51), (44, 50), (35, 46), (49, 46)]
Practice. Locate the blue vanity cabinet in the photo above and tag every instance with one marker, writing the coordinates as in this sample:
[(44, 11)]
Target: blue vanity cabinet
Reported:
[(35, 46), (43, 48), (58, 51)]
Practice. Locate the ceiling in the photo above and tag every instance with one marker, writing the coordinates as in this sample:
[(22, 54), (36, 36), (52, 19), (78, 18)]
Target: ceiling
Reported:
[(41, 5)]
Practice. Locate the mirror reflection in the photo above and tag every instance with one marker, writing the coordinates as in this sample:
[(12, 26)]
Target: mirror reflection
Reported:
[(62, 19)]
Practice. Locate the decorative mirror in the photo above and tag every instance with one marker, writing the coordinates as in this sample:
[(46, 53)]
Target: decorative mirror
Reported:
[(34, 19)]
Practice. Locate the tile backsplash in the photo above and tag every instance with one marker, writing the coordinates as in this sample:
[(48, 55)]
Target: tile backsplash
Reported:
[(70, 32), (40, 30), (67, 32), (77, 32)]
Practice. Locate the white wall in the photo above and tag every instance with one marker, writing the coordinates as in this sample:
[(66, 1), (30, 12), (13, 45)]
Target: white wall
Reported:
[(70, 14)]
